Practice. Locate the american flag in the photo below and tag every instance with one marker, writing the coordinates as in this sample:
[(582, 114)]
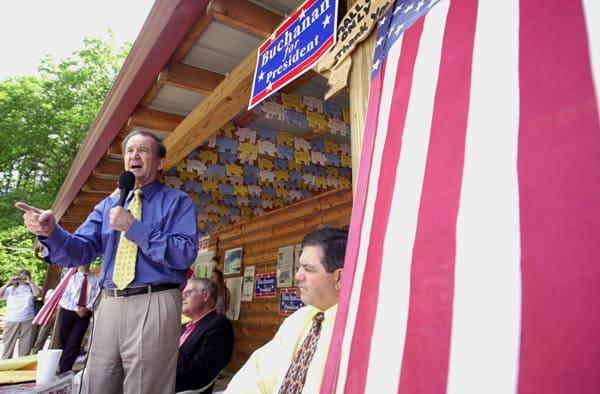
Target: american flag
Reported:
[(473, 263), (45, 314)]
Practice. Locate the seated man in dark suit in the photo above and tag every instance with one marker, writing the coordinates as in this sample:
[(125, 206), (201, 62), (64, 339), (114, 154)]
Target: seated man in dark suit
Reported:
[(206, 344)]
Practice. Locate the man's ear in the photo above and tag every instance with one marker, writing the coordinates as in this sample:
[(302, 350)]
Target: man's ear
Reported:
[(338, 278)]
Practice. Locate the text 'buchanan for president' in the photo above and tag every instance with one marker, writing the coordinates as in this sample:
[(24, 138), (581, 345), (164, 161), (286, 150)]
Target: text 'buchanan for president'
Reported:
[(295, 47)]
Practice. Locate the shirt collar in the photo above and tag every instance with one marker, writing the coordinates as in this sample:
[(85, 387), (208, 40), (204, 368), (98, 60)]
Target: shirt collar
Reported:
[(195, 322), (329, 313), (148, 190)]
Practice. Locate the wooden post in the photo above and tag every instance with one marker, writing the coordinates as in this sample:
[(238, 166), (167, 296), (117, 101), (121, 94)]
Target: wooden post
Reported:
[(354, 53), (360, 80)]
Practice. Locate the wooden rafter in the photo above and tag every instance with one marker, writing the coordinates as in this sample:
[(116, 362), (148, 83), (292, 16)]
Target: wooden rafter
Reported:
[(99, 185), (148, 119), (241, 14), (108, 167), (88, 198), (190, 78), (245, 16), (79, 209), (229, 98)]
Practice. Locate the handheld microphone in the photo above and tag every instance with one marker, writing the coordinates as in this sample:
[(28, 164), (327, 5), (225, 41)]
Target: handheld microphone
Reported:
[(126, 184)]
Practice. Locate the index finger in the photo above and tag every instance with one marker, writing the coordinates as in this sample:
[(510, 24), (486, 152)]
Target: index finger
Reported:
[(27, 208)]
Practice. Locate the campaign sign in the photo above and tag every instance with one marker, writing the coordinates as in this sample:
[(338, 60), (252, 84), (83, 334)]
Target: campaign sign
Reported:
[(294, 47), (265, 285), (289, 301)]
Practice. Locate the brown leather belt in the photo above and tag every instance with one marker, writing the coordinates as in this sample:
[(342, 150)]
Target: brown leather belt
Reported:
[(137, 290)]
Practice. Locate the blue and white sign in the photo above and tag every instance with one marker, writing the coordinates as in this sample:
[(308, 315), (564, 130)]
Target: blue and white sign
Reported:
[(294, 47), (289, 301), (265, 285)]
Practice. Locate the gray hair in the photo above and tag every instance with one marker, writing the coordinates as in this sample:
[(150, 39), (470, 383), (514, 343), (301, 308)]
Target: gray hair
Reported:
[(205, 283), (161, 149)]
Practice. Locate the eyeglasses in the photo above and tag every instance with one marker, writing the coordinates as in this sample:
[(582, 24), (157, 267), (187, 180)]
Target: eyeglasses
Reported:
[(189, 292)]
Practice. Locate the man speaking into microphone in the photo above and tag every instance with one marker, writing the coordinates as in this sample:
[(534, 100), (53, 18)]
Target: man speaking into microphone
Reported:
[(148, 238)]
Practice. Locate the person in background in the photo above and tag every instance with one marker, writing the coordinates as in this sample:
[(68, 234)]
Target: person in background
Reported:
[(19, 293), (44, 331), (287, 364), (206, 344), (137, 325), (224, 295), (76, 306)]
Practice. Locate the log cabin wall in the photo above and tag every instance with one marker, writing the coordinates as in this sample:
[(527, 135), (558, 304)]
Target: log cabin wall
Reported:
[(261, 238)]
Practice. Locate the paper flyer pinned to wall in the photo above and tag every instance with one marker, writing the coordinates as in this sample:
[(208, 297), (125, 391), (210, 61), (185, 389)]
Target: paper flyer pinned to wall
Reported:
[(285, 265), (248, 285)]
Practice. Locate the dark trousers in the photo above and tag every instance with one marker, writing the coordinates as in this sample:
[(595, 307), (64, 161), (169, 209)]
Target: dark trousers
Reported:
[(71, 330)]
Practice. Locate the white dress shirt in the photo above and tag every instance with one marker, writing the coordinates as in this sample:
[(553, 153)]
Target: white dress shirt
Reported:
[(265, 369), (70, 297)]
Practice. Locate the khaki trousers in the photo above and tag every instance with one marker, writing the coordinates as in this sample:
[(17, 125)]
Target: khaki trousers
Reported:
[(24, 331), (42, 336), (135, 343)]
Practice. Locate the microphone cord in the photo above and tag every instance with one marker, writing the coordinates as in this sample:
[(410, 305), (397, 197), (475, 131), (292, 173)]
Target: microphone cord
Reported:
[(81, 381)]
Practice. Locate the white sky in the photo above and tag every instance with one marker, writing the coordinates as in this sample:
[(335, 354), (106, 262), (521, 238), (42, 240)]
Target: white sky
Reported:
[(30, 29)]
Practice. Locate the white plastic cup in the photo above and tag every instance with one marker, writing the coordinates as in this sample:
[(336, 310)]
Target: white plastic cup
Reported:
[(46, 366)]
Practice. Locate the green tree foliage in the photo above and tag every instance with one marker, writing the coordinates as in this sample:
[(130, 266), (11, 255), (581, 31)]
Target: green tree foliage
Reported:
[(44, 120), (16, 253)]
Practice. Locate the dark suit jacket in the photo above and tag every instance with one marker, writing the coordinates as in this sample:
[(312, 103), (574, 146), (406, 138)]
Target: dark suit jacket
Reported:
[(205, 352)]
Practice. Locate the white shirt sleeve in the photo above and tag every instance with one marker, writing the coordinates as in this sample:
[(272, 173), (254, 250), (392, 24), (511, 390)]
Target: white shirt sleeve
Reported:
[(266, 368)]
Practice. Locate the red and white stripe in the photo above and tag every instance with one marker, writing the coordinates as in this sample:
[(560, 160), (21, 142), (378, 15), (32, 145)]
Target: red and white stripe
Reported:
[(473, 263), (47, 310)]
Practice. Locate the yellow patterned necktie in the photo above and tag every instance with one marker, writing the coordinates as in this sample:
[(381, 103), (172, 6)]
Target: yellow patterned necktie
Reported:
[(124, 270)]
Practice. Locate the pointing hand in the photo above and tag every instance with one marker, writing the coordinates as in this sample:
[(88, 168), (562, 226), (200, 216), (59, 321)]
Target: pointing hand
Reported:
[(40, 223)]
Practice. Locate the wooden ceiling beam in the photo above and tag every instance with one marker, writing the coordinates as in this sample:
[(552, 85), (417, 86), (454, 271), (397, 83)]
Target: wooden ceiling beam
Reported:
[(190, 78), (229, 98), (88, 198), (181, 52), (80, 209), (239, 13), (245, 16), (77, 212), (182, 76), (100, 185), (70, 227), (108, 167), (148, 119), (114, 150), (74, 218)]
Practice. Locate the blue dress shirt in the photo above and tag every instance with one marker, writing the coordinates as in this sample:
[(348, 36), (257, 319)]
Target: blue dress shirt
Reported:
[(167, 238)]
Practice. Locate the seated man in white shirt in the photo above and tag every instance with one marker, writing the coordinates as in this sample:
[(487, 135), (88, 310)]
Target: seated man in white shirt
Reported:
[(268, 370), (76, 305)]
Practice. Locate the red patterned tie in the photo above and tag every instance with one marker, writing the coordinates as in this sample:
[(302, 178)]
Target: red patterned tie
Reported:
[(296, 374), (83, 292)]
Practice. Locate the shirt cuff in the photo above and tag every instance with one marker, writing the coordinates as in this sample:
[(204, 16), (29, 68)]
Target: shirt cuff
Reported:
[(139, 233), (54, 240)]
